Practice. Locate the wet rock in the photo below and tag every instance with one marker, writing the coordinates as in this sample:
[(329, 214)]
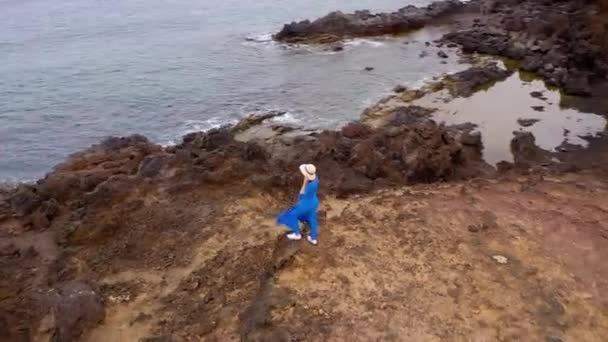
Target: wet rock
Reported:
[(538, 95), (479, 40), (338, 25), (442, 54), (399, 89), (532, 63), (467, 82), (577, 85), (545, 44), (76, 308), (470, 139), (255, 119), (527, 122), (524, 150), (538, 108), (119, 143), (335, 48)]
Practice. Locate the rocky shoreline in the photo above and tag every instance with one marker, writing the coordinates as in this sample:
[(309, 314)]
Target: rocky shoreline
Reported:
[(131, 240), (565, 42), (337, 25)]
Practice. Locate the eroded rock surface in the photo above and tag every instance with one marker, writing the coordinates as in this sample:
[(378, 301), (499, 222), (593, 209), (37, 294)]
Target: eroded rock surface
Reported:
[(337, 25)]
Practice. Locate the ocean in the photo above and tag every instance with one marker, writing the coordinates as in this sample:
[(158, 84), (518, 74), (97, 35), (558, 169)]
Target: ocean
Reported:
[(75, 71)]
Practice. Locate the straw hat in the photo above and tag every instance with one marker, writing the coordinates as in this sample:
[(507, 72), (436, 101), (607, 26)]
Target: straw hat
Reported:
[(309, 171)]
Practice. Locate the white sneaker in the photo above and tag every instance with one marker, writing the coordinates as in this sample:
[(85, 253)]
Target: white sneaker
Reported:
[(313, 242), (294, 236)]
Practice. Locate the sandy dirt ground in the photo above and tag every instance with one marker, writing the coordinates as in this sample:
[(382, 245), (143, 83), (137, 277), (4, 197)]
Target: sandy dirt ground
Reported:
[(521, 258)]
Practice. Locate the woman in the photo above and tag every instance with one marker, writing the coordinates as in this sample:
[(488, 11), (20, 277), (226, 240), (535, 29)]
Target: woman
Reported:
[(306, 209)]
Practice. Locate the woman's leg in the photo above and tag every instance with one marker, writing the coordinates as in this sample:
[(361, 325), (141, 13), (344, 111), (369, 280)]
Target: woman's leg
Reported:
[(290, 219), (313, 224)]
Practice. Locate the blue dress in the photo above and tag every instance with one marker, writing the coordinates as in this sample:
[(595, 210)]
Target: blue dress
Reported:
[(305, 211)]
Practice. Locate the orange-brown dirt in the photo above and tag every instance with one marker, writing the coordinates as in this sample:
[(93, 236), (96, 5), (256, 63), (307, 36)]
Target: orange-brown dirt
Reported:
[(411, 263)]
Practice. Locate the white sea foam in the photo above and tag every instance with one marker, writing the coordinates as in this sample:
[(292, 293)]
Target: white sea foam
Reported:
[(260, 38), (366, 42), (287, 119)]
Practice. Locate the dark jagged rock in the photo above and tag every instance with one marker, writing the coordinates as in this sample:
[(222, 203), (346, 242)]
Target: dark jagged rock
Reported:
[(527, 122), (538, 108), (399, 89), (338, 25), (410, 115), (538, 95), (467, 82), (256, 119), (577, 85), (566, 45), (356, 130), (525, 151)]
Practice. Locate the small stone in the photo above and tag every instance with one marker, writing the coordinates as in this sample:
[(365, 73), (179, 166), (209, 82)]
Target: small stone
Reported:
[(537, 94), (538, 108), (195, 285), (500, 259), (473, 228), (399, 89), (369, 68), (527, 122), (442, 54), (423, 54)]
